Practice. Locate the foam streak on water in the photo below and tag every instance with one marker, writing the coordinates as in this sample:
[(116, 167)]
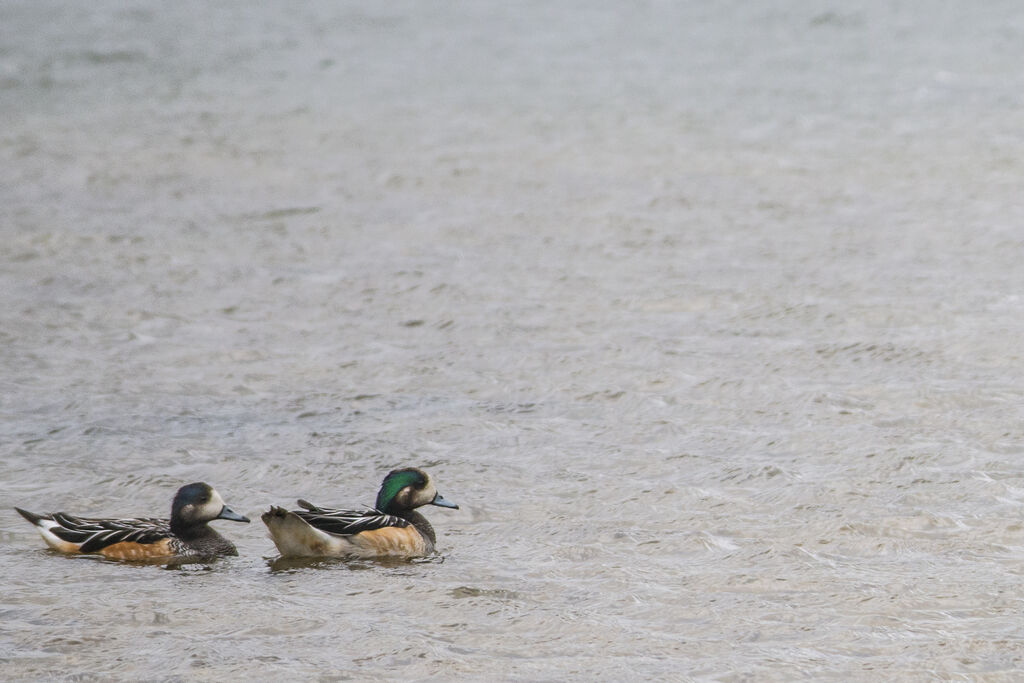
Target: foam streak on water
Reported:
[(709, 316)]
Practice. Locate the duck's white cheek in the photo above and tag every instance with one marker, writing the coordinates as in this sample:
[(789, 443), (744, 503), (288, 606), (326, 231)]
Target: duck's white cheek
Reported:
[(426, 496), (211, 509)]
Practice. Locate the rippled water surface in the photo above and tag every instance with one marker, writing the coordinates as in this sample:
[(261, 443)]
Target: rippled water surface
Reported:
[(709, 315)]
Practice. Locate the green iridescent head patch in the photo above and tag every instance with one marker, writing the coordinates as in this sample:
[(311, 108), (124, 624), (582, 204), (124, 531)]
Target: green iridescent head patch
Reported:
[(395, 482)]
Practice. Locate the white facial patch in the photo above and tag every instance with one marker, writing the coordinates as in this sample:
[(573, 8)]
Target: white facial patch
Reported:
[(211, 509), (425, 495)]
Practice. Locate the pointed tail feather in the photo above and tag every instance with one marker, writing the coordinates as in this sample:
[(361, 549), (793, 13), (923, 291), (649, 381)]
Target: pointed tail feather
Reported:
[(45, 524), (32, 517)]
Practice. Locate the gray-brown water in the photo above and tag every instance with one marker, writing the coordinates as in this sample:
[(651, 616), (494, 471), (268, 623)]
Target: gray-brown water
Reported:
[(709, 315)]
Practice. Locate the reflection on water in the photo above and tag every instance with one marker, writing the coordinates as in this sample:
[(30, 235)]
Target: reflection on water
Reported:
[(293, 564), (707, 314)]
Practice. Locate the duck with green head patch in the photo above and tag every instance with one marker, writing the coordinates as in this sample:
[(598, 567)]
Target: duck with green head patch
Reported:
[(186, 534), (392, 528)]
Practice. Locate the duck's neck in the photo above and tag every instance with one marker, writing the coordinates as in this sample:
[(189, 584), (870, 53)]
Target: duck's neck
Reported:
[(202, 538), (190, 532), (418, 521)]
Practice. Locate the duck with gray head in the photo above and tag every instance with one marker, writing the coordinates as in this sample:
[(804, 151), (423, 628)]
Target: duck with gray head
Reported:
[(186, 534)]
